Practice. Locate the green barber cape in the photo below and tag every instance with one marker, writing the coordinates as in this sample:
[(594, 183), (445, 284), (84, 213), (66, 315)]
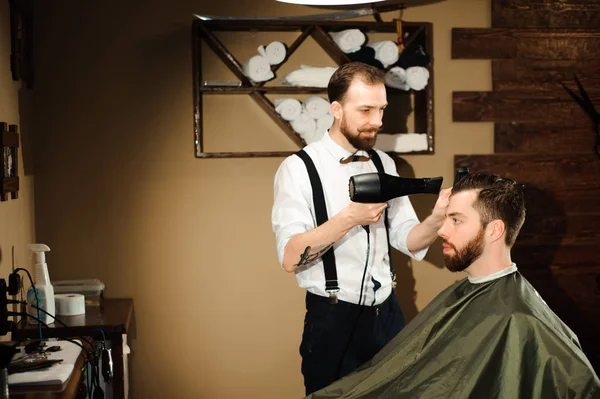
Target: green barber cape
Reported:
[(496, 339)]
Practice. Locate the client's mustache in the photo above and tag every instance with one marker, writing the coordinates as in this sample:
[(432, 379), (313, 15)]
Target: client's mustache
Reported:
[(450, 245)]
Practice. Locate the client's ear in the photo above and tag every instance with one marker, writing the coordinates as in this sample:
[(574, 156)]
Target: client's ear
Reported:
[(496, 229)]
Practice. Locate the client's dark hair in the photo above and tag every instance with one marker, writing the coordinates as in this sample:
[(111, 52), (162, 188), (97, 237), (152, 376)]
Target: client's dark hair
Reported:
[(498, 198), (343, 76)]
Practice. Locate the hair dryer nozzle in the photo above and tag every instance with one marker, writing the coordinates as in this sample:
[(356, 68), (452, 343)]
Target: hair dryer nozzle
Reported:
[(381, 187)]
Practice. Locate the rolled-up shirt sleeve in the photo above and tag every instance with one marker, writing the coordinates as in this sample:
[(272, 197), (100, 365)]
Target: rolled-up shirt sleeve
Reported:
[(402, 218), (292, 213)]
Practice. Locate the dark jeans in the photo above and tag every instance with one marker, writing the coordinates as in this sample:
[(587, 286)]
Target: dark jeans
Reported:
[(339, 338)]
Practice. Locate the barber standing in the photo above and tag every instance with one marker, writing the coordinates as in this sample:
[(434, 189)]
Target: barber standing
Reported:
[(338, 249)]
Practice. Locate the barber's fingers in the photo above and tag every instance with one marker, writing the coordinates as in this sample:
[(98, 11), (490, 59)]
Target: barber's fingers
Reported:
[(444, 197), (378, 209), (381, 207), (373, 219), (445, 193), (367, 213)]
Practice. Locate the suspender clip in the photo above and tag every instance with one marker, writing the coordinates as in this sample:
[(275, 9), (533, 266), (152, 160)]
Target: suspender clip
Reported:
[(333, 298)]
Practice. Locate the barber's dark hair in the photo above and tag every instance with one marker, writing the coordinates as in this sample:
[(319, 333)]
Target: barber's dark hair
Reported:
[(342, 78), (498, 198)]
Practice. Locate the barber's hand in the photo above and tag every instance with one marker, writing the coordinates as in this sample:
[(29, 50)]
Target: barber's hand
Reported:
[(441, 205), (359, 214)]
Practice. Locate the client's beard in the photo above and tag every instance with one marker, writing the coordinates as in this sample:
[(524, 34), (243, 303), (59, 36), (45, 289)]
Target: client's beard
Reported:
[(466, 256), (358, 142)]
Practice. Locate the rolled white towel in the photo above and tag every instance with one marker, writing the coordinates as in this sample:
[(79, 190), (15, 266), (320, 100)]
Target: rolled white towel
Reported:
[(316, 106), (386, 52), (396, 77), (402, 142), (417, 77), (258, 69), (309, 76), (274, 52), (288, 108), (349, 40), (324, 123), (305, 126)]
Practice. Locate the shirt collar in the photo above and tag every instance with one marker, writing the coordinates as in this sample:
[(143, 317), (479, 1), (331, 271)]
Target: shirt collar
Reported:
[(500, 273), (337, 151)]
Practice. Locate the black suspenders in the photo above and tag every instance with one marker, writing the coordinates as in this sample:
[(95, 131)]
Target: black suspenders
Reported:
[(329, 266), (331, 281), (377, 161)]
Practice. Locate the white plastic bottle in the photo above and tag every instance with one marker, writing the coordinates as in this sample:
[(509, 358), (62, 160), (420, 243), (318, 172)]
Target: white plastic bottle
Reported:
[(45, 291)]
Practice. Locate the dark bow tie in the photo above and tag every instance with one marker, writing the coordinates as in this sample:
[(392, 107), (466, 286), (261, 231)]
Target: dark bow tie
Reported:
[(355, 158)]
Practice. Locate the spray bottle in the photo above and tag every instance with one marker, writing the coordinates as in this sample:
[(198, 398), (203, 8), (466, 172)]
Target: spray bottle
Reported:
[(43, 288)]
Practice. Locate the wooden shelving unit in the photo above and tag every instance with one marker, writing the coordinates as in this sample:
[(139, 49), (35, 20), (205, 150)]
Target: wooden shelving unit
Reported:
[(319, 30)]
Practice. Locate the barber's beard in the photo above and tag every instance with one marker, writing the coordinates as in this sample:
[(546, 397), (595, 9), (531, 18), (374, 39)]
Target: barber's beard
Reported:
[(464, 258), (357, 139)]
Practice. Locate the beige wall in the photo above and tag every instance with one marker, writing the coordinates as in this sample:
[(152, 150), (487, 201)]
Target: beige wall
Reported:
[(121, 197), (16, 216)]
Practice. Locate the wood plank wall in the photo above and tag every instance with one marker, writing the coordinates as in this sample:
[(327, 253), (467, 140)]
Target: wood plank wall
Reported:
[(544, 140)]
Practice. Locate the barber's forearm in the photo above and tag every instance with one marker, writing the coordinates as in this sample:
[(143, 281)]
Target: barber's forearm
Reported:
[(304, 248), (424, 234)]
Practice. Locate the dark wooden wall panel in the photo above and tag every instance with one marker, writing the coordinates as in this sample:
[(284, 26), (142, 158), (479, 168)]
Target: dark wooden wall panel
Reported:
[(568, 297), (520, 106), (567, 229), (556, 184), (553, 170), (543, 138), (559, 257), (533, 44), (545, 13), (544, 74), (578, 286)]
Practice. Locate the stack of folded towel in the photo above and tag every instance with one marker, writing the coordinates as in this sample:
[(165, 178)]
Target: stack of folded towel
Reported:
[(275, 52), (349, 40), (310, 119), (258, 67), (403, 142), (405, 71), (308, 76), (414, 78), (386, 52)]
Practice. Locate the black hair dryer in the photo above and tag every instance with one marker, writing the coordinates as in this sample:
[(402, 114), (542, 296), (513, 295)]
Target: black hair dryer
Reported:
[(381, 187)]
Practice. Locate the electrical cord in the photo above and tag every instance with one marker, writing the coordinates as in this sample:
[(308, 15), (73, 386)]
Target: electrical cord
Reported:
[(86, 352), (361, 308), (362, 282), (92, 360), (37, 300), (10, 301), (90, 355)]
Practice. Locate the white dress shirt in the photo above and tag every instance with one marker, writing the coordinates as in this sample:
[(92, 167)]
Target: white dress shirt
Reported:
[(293, 213)]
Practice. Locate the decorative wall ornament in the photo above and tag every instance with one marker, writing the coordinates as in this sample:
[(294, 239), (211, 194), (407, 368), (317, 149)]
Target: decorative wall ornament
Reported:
[(9, 145), (21, 33)]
